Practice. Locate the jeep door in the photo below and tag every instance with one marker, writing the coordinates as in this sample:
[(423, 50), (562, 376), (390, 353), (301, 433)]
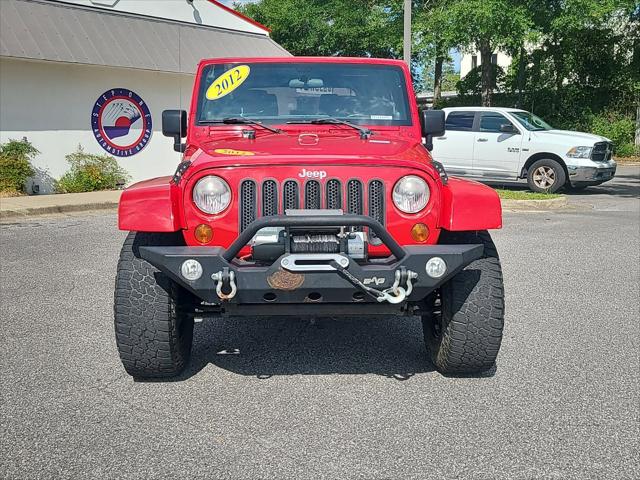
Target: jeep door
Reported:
[(455, 148), (496, 151)]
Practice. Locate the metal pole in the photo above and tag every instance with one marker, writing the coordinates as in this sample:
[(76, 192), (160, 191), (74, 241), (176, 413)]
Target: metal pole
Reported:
[(407, 32)]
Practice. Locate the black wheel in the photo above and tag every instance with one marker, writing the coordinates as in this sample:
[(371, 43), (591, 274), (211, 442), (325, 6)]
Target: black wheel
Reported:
[(546, 175), (463, 325), (153, 332)]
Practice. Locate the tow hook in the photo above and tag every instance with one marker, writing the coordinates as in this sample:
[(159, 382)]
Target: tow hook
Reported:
[(396, 293), (226, 279)]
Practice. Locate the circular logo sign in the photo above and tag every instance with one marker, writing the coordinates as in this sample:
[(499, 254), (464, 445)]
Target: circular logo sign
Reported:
[(121, 122)]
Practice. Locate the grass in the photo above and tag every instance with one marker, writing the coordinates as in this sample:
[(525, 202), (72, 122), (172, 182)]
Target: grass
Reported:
[(525, 195)]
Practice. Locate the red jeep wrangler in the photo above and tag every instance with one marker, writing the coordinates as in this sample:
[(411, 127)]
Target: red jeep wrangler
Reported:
[(306, 189)]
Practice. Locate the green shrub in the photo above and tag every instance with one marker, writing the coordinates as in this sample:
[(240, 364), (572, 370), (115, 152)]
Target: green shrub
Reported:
[(616, 127), (90, 172), (15, 165)]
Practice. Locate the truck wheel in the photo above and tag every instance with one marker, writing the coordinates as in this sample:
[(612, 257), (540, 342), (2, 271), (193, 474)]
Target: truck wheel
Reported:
[(463, 326), (546, 176), (153, 333)]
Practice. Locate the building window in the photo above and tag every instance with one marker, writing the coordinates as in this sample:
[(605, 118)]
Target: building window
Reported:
[(474, 61), (494, 58)]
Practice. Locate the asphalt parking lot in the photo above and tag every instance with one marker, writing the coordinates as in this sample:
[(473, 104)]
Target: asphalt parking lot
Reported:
[(331, 398)]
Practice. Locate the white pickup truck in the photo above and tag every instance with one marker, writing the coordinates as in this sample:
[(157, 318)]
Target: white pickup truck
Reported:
[(507, 144)]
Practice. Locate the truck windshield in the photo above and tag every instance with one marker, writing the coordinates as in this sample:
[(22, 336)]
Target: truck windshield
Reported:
[(277, 93), (531, 122)]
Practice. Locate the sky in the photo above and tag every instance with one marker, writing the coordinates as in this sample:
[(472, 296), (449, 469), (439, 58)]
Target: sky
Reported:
[(455, 55)]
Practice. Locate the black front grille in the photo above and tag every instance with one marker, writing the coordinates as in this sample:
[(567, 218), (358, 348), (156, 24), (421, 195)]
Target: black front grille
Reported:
[(334, 195), (247, 203), (312, 194), (269, 198), (602, 152), (291, 198), (352, 198), (376, 200)]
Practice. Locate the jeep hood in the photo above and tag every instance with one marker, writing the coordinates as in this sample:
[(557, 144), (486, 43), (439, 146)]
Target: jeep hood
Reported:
[(308, 147)]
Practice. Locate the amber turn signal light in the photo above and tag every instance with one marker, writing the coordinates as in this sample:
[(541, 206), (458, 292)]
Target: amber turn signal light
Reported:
[(420, 232), (203, 233)]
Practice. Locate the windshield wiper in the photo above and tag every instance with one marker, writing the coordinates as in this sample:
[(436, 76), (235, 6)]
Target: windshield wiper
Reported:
[(364, 132), (242, 121)]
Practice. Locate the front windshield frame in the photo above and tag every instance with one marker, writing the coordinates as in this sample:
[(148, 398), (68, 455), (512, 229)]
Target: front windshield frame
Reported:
[(531, 121), (402, 115)]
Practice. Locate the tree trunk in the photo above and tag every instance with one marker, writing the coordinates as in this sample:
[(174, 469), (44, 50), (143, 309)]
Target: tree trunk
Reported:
[(638, 128), (486, 73), (521, 65), (437, 80), (558, 64)]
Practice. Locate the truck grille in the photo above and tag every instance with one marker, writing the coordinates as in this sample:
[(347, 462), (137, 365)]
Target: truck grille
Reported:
[(602, 152), (331, 194)]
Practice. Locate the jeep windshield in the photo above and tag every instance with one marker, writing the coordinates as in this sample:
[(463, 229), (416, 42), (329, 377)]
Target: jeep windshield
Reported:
[(281, 93), (531, 122)]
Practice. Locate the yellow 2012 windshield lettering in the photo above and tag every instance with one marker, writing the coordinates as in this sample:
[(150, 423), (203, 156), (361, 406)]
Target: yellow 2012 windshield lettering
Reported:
[(228, 82)]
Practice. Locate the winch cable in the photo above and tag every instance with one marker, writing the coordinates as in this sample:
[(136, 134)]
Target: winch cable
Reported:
[(399, 293), (346, 274)]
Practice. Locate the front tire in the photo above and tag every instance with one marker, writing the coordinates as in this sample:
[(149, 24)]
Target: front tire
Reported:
[(546, 176), (465, 318), (153, 332)]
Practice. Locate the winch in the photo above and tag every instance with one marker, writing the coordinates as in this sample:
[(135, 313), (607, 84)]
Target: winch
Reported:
[(272, 242)]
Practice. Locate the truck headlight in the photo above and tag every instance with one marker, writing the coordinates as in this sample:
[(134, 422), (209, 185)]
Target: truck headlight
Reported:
[(211, 194), (580, 152), (411, 194)]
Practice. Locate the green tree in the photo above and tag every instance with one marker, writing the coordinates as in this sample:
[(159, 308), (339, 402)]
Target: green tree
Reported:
[(359, 28), (487, 26), (586, 57), (436, 37), (332, 27)]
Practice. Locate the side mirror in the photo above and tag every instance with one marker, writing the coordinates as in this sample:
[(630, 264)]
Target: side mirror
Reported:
[(432, 126), (508, 128), (174, 124)]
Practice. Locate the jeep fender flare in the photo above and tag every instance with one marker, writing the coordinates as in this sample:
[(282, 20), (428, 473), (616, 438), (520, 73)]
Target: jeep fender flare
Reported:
[(151, 206), (469, 205)]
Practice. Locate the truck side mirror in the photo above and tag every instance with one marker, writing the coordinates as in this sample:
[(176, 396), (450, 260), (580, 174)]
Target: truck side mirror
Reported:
[(432, 126), (508, 128), (174, 124)]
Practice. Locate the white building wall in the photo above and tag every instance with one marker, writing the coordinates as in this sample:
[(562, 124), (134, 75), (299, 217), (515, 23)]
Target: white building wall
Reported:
[(201, 12), (51, 103), (466, 62)]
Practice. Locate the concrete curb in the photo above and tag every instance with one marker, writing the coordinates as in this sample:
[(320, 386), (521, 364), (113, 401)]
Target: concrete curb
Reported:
[(20, 207), (27, 212), (535, 205)]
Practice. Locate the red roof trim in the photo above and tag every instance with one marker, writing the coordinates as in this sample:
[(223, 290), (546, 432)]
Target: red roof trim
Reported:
[(239, 15)]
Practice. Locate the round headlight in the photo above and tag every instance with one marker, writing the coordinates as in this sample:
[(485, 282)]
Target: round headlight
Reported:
[(211, 194), (411, 194)]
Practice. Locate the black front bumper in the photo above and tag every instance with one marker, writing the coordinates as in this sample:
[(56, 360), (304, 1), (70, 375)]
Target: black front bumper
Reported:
[(275, 284)]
